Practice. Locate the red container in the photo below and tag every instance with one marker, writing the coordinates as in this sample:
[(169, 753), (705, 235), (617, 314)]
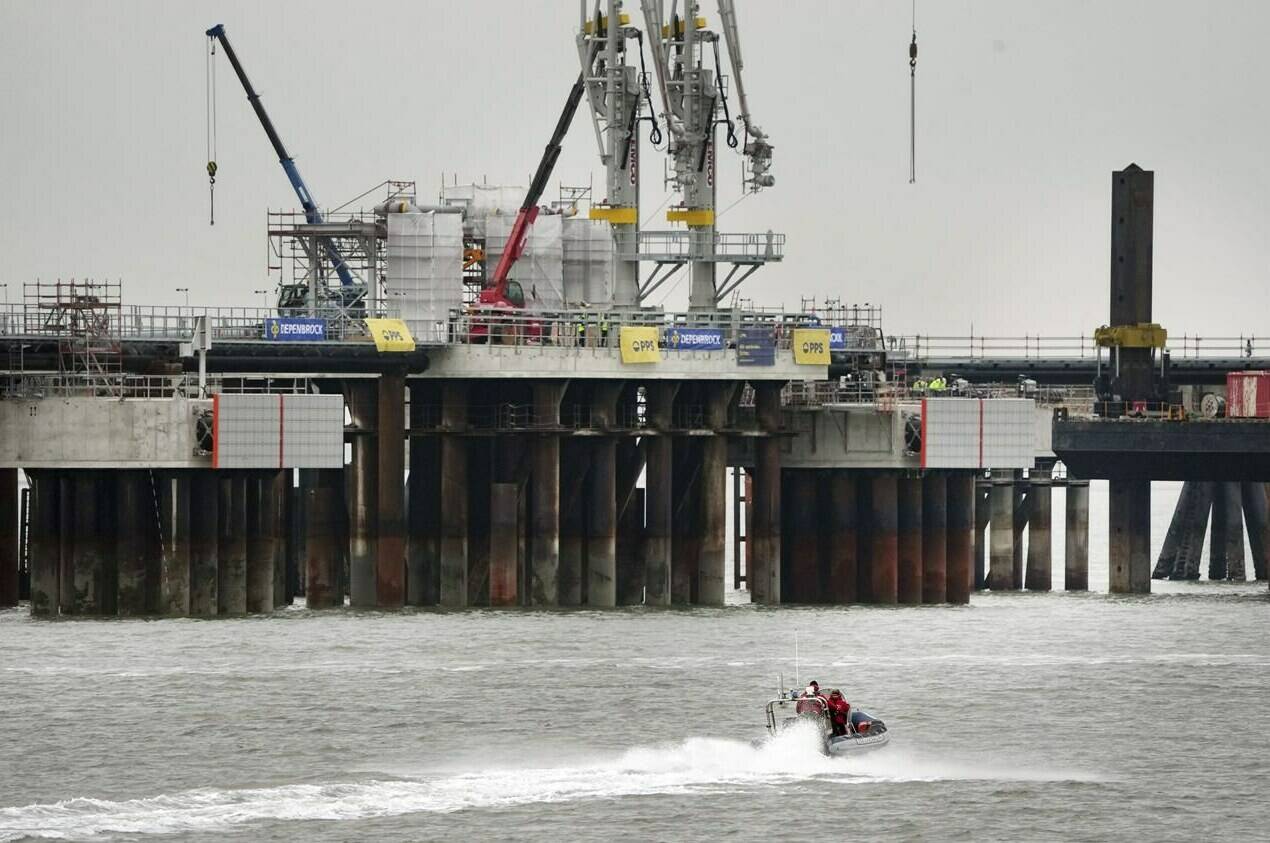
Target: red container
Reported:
[(1248, 395)]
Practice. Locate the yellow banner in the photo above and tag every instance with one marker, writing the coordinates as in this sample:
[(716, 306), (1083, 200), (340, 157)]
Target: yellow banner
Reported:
[(639, 345), (391, 335), (811, 346)]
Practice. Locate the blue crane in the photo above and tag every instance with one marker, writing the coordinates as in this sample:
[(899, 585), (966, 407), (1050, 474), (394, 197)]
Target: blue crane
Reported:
[(311, 212)]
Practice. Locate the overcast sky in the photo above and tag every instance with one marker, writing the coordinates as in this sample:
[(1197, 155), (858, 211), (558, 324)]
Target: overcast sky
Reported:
[(1024, 109)]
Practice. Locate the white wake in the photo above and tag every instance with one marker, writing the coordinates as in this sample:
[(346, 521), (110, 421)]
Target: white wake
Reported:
[(695, 766)]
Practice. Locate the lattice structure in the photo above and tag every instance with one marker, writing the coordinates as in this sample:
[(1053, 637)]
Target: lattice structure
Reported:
[(83, 316)]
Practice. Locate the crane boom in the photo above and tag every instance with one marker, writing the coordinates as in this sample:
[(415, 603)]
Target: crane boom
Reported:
[(529, 208), (311, 212)]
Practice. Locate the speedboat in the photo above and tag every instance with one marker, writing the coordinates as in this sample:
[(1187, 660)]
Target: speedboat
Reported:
[(864, 732)]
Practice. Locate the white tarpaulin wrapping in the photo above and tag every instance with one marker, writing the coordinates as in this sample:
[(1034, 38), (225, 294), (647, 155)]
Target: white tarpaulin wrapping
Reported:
[(425, 271), (540, 269), (589, 259)]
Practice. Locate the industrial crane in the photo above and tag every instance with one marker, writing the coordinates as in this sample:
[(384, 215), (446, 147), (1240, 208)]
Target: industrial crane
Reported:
[(351, 291), (498, 293)]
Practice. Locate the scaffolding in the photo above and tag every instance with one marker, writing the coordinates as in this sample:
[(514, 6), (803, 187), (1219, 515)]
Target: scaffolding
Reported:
[(83, 316)]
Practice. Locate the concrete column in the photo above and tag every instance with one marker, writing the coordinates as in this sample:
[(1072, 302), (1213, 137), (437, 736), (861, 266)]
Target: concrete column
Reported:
[(883, 539), (174, 537), (843, 549), (320, 489), (962, 492), (295, 541), (10, 548), (452, 589), (802, 538), (983, 515), (763, 575), (1020, 524), (1254, 502), (204, 507), (713, 489), (261, 545), (280, 482), (43, 543), (390, 541), (1039, 550), (231, 544), (909, 544), (480, 473), (685, 538), (934, 538), (1076, 545), (544, 520), (361, 397), (1001, 570), (423, 501), (66, 544), (574, 465), (134, 511), (630, 551), (601, 547), (659, 497), (504, 537), (1129, 528)]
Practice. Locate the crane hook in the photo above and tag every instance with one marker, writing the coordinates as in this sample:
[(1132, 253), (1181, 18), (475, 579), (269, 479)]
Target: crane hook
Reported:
[(211, 191)]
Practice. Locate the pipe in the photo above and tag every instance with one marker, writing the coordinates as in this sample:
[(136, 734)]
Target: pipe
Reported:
[(504, 536), (363, 407), (260, 542)]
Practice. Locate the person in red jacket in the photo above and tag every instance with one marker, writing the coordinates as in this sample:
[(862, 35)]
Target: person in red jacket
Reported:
[(812, 701), (839, 712)]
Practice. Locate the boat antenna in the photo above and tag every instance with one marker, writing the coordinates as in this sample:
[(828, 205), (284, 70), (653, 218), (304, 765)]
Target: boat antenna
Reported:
[(796, 666)]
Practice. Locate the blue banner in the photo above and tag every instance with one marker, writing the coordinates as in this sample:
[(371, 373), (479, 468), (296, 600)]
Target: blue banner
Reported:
[(295, 330), (756, 347), (837, 339), (694, 339)]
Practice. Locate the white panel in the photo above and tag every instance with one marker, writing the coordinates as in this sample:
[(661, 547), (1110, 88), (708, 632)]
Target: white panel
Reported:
[(425, 271), (951, 433), (312, 431), (1009, 432), (589, 262), (247, 433), (540, 269)]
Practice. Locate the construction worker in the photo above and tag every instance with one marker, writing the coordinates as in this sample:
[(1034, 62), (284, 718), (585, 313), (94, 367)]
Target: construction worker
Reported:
[(938, 384)]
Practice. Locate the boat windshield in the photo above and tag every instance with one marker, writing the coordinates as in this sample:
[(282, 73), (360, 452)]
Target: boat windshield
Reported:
[(783, 713)]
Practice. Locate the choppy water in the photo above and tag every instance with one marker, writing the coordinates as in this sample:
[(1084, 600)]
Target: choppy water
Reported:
[(1020, 716)]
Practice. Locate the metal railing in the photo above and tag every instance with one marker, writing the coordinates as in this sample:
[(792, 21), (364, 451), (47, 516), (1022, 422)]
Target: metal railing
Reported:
[(749, 247), (1037, 347), (159, 322), (125, 386), (601, 329)]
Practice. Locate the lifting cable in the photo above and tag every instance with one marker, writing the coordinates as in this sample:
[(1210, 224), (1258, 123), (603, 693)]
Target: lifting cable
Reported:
[(912, 102), (211, 130)]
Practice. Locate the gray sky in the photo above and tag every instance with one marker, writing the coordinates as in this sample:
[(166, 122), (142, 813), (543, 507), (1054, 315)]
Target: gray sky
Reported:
[(1023, 111)]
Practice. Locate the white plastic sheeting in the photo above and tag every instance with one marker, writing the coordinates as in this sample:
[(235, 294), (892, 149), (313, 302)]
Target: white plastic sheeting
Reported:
[(589, 262), (540, 269), (425, 271)]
